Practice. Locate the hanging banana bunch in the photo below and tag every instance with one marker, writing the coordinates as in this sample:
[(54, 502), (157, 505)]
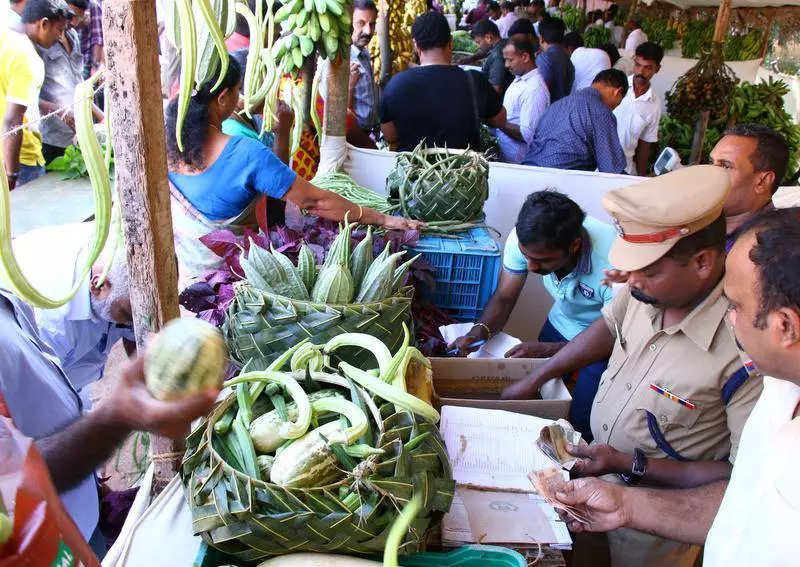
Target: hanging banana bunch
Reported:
[(401, 17), (321, 26), (10, 272), (311, 27), (198, 28)]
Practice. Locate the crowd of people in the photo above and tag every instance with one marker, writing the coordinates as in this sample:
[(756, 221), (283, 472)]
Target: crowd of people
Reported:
[(671, 370), (549, 100), (680, 324)]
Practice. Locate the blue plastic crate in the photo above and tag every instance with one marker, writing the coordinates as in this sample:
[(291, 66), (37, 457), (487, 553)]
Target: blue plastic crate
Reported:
[(466, 270)]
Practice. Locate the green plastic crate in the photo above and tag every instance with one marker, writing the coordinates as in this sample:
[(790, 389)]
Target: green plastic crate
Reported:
[(467, 556)]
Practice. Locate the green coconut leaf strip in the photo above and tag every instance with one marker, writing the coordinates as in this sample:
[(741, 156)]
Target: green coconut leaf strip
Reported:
[(399, 529)]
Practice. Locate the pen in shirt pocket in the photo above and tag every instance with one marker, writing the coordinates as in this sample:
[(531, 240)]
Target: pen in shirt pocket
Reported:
[(669, 395)]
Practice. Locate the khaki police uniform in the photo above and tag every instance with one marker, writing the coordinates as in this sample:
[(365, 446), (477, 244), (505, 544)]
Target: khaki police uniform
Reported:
[(696, 360)]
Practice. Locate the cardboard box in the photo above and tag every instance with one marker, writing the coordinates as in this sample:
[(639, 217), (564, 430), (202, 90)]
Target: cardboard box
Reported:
[(478, 382)]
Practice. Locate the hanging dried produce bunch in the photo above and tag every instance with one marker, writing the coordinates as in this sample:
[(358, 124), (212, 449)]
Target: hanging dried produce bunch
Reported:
[(401, 17), (706, 86), (313, 454), (444, 188), (281, 304)]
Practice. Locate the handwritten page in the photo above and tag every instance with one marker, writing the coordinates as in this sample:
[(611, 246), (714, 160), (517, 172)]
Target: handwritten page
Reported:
[(493, 449), (496, 347)]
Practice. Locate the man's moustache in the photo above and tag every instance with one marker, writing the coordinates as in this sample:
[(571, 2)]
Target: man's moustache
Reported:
[(639, 296)]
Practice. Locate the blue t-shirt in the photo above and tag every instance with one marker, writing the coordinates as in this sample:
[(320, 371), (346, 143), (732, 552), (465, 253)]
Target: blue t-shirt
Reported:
[(244, 169), (579, 297)]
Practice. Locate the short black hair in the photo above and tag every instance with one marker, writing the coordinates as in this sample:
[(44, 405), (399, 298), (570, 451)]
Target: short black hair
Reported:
[(494, 6), (573, 39), (364, 5), (522, 26), (524, 46), (613, 77), (636, 21), (550, 218), (431, 30), (612, 10), (650, 51), (776, 255), (485, 27), (552, 30), (36, 10), (712, 236), (81, 4), (613, 52), (771, 153)]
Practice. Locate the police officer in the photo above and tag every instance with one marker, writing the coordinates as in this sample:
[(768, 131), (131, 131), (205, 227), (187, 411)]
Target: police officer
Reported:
[(670, 407)]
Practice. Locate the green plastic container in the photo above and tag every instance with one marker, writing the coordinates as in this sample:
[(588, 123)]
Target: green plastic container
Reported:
[(467, 556)]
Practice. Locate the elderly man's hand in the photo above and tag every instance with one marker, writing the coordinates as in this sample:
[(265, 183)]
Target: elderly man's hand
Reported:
[(131, 406), (601, 503)]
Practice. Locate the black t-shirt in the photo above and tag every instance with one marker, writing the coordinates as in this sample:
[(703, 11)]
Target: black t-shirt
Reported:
[(434, 103)]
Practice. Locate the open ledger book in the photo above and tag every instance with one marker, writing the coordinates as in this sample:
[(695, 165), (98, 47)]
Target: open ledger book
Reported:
[(492, 452)]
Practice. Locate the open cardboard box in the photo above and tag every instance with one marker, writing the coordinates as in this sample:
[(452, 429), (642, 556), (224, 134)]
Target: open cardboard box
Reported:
[(478, 382)]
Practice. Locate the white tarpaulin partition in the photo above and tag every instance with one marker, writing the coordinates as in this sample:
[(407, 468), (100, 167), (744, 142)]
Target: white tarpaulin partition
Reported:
[(683, 4), (674, 67), (508, 187)]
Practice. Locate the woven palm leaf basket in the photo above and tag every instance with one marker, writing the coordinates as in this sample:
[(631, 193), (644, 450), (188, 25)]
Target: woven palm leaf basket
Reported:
[(238, 509), (438, 185), (261, 326)]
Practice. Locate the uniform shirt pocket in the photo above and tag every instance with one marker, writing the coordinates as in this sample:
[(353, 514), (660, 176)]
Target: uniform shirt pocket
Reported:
[(669, 414)]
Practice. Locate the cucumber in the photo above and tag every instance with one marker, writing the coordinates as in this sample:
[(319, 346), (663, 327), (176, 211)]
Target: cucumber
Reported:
[(308, 461), (265, 430)]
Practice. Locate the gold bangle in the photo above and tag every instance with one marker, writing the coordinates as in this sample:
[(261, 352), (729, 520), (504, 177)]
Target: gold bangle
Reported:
[(485, 326), (360, 212)]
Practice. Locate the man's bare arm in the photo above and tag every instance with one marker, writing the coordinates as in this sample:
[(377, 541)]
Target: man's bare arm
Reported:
[(682, 515), (592, 345)]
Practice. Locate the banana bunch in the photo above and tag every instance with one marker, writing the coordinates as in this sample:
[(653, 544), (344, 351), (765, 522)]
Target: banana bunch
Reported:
[(322, 26), (706, 86), (198, 28), (401, 17), (763, 103), (743, 46)]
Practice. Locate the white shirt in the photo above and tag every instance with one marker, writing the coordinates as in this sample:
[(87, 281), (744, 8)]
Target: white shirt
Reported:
[(525, 101), (617, 32), (52, 258), (760, 512), (504, 23), (635, 39), (637, 119), (14, 19), (588, 62)]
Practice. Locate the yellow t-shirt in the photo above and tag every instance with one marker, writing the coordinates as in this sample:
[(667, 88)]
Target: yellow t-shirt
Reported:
[(21, 77)]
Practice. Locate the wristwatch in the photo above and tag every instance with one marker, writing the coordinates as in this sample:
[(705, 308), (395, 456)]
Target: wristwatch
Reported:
[(638, 468)]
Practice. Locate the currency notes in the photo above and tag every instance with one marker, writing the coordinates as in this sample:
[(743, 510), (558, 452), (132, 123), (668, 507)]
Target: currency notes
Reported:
[(553, 441), (547, 483)]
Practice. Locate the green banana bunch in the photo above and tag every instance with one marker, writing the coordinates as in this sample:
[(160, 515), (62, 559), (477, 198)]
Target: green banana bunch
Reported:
[(313, 26)]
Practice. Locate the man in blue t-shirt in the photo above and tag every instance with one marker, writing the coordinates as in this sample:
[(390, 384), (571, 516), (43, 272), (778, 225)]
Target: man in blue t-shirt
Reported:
[(554, 238)]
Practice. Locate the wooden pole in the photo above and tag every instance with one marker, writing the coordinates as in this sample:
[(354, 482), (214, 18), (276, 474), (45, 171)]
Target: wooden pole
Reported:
[(699, 138), (767, 34), (335, 120), (384, 42), (137, 120), (720, 29)]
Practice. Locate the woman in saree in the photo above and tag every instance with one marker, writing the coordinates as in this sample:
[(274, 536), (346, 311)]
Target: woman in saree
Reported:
[(216, 179)]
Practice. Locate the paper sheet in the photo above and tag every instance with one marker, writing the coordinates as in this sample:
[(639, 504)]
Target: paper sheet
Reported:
[(479, 460), (507, 518), (496, 347)]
